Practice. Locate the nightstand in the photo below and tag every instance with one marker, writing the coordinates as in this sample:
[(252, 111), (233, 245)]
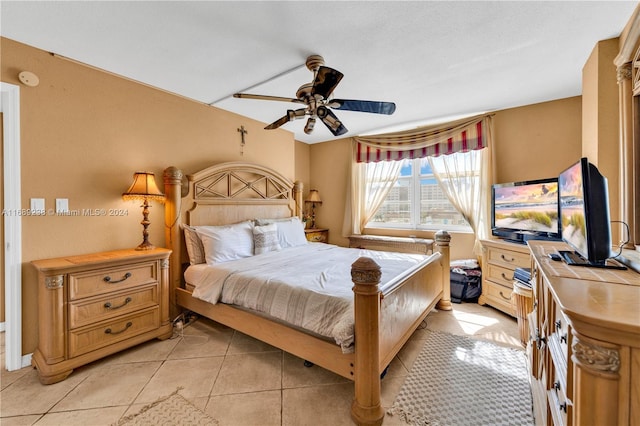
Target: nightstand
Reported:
[(317, 235), (94, 305)]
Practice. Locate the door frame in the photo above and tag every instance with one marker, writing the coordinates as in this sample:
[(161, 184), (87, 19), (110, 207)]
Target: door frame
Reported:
[(10, 107)]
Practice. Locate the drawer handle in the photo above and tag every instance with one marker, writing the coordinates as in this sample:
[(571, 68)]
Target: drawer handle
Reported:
[(108, 278), (505, 277), (558, 325), (563, 338), (563, 406), (109, 331), (556, 386), (108, 305), (507, 260), (504, 297)]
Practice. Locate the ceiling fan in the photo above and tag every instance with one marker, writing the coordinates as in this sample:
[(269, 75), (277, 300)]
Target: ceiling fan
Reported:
[(316, 97)]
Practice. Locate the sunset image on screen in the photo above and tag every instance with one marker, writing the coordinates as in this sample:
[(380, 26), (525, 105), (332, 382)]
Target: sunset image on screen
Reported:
[(532, 207)]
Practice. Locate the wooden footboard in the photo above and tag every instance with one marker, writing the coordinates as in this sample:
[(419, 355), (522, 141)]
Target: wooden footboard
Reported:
[(385, 317)]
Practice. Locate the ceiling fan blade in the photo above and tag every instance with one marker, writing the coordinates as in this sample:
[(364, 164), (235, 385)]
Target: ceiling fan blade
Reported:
[(266, 98), (331, 121), (291, 115), (326, 80), (375, 107)]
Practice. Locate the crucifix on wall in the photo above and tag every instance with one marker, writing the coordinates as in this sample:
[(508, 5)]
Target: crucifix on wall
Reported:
[(243, 132)]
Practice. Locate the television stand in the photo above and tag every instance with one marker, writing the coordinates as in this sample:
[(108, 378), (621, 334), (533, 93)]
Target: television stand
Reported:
[(574, 259)]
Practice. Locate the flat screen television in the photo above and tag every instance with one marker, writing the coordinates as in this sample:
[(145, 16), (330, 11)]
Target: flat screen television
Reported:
[(584, 212), (526, 210)]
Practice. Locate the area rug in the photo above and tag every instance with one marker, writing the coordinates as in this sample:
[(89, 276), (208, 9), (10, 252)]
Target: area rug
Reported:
[(173, 409), (457, 380)]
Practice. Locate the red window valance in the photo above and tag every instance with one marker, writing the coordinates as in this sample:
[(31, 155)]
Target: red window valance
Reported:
[(442, 139)]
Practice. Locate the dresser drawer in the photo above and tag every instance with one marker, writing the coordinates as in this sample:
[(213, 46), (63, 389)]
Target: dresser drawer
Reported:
[(87, 339), (500, 275), (92, 310), (508, 259), (112, 279)]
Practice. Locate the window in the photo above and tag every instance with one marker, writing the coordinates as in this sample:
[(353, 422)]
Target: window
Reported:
[(416, 201)]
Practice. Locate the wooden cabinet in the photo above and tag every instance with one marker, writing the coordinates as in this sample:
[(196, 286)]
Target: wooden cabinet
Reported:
[(93, 305), (584, 347), (397, 244), (499, 261), (317, 235)]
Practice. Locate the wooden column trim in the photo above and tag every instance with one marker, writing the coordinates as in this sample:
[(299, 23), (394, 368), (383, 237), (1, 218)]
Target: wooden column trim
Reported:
[(625, 91)]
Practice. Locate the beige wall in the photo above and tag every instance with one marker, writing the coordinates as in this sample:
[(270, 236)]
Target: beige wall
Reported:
[(537, 141), (85, 132), (531, 142), (600, 122)]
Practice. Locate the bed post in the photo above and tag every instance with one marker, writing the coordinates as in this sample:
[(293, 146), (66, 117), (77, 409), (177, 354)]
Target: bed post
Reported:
[(366, 408), (173, 196), (297, 198), (442, 245)]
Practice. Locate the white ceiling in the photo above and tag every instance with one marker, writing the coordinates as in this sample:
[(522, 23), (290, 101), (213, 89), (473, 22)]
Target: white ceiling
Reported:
[(435, 60)]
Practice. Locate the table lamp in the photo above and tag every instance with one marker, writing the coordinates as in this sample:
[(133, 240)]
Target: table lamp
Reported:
[(313, 198), (144, 188)]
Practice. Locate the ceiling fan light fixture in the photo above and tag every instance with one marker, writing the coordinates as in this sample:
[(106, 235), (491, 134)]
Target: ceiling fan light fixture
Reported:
[(308, 128)]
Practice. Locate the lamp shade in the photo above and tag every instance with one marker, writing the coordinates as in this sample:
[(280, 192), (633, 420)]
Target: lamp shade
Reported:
[(143, 188), (314, 196)]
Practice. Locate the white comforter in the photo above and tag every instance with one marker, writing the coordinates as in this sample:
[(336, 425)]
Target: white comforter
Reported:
[(307, 286)]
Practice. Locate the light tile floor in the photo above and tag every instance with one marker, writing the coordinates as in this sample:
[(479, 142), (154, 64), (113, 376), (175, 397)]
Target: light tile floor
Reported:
[(235, 378)]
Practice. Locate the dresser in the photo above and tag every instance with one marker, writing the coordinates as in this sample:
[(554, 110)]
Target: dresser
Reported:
[(397, 244), (317, 235), (94, 305), (499, 261), (584, 346)]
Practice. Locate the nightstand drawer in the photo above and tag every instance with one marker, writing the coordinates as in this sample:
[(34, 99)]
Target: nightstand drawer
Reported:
[(87, 339), (508, 259), (317, 235), (500, 275), (90, 311), (113, 279), (498, 296)]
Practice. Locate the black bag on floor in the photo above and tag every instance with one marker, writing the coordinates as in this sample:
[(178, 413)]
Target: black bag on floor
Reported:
[(466, 284)]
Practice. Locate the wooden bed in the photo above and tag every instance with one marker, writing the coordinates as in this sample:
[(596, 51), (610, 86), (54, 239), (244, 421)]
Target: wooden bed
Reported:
[(384, 319)]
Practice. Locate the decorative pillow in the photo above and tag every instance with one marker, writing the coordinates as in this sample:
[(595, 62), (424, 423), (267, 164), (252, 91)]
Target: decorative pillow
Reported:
[(290, 231), (265, 239), (225, 243), (195, 250)]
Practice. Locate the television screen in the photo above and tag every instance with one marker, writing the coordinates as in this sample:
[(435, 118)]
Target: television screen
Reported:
[(527, 206), (574, 225), (584, 211)]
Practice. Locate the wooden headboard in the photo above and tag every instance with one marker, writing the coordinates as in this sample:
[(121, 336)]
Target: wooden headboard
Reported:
[(219, 195)]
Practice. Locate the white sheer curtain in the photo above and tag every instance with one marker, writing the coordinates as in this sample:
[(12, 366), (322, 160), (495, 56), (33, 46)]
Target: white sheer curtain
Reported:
[(370, 184), (465, 179)]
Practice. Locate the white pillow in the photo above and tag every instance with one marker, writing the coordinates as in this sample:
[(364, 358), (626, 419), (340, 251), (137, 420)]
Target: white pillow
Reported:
[(225, 243), (291, 233), (265, 239)]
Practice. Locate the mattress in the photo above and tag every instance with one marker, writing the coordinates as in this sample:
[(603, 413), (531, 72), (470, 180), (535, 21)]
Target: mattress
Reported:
[(307, 286)]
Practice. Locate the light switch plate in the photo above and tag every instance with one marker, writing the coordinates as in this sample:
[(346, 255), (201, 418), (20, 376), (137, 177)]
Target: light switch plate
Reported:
[(37, 205), (62, 205)]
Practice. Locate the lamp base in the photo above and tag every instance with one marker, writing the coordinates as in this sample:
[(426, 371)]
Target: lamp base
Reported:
[(145, 245)]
